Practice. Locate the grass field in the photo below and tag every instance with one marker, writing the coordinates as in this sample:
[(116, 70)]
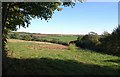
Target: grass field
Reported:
[(66, 38), (60, 38), (30, 58)]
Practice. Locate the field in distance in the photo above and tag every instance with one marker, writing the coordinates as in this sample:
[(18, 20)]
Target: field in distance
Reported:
[(49, 37)]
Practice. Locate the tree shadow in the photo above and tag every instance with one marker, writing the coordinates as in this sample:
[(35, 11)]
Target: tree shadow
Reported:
[(97, 49), (100, 51), (115, 60), (48, 66)]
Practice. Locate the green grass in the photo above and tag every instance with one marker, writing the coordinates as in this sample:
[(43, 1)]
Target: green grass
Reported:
[(61, 38), (44, 61), (72, 47), (66, 38)]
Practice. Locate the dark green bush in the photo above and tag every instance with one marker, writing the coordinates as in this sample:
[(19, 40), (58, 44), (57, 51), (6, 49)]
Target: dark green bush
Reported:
[(14, 35), (78, 44), (62, 43), (79, 38), (26, 37), (89, 41), (54, 40), (111, 43)]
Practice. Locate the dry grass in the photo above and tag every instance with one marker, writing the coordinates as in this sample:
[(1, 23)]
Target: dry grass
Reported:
[(40, 45)]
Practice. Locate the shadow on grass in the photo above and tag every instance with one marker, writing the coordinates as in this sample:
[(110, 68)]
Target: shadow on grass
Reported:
[(115, 61), (47, 66), (98, 51)]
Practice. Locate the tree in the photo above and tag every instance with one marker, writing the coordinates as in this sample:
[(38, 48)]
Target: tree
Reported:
[(110, 43), (20, 13), (79, 38), (90, 41), (105, 33), (115, 40), (92, 33)]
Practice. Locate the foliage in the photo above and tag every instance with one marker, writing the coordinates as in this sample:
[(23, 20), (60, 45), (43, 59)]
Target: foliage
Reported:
[(78, 44), (90, 41), (105, 34), (54, 40), (14, 35), (111, 42), (79, 38), (26, 37), (72, 47), (116, 39)]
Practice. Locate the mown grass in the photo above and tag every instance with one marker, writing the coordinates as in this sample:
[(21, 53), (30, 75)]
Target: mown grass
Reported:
[(27, 61)]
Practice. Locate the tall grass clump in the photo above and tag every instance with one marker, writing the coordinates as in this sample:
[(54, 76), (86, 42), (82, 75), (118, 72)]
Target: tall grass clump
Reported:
[(72, 47)]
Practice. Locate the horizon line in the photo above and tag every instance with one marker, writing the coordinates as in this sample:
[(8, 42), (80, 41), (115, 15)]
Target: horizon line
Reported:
[(57, 33)]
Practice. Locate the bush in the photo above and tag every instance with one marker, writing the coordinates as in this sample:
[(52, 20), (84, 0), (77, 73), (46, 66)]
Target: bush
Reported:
[(89, 41), (14, 35), (35, 39), (26, 37), (79, 38), (72, 47), (63, 43), (111, 43), (78, 44), (55, 40), (115, 40)]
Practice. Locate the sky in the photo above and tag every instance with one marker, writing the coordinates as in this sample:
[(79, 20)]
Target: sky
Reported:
[(81, 19), (119, 13)]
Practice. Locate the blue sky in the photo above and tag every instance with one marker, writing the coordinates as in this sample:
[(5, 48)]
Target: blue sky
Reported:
[(81, 19), (102, 0)]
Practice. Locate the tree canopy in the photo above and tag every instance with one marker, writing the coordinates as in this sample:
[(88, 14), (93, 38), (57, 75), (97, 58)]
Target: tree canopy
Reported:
[(20, 14)]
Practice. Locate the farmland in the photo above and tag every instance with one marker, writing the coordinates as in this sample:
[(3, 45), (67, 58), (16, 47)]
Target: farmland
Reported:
[(53, 38), (60, 38), (42, 58), (84, 40)]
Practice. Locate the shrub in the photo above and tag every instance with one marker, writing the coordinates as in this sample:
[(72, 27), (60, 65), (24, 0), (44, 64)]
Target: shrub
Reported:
[(35, 39), (111, 43), (14, 35), (72, 47), (79, 38), (89, 41), (54, 40), (26, 37), (78, 44), (63, 43)]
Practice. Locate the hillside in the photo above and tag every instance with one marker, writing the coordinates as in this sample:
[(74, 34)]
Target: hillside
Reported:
[(31, 58)]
